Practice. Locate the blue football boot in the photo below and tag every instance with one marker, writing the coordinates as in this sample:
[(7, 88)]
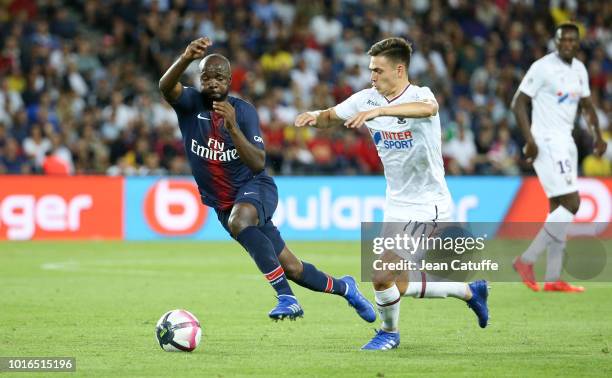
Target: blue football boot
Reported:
[(478, 302), (362, 306), (287, 307), (383, 341)]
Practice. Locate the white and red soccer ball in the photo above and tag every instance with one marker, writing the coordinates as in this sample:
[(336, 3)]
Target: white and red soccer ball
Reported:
[(178, 331)]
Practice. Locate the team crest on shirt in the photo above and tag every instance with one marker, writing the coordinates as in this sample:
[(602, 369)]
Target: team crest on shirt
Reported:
[(396, 140)]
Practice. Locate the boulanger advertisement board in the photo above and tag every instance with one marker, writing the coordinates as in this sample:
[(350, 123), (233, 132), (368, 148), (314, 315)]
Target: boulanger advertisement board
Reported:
[(309, 208)]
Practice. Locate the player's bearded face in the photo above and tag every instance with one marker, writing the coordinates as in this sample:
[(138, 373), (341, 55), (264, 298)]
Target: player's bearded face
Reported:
[(215, 80)]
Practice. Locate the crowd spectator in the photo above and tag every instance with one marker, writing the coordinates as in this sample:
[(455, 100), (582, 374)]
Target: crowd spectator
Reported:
[(78, 79)]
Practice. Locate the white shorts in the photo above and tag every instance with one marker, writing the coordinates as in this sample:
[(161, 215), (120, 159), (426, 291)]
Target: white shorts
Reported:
[(415, 220), (557, 166), (419, 213)]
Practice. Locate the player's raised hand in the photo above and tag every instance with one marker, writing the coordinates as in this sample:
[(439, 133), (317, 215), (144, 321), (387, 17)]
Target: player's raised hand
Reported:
[(197, 48), (531, 151), (359, 119), (599, 147), (227, 111), (306, 119)]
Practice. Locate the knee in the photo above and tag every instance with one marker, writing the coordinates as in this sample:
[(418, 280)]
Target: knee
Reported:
[(236, 225), (238, 221), (381, 279), (575, 205), (572, 203)]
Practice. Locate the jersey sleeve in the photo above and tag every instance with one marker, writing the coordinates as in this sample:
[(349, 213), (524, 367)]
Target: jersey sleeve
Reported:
[(249, 124), (584, 78), (349, 107), (533, 80), (186, 101), (426, 94)]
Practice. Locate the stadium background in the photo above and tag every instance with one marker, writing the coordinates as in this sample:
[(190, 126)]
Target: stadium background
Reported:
[(89, 151), (78, 79)]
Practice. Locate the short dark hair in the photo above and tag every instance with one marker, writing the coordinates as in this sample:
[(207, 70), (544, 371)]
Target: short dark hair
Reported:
[(567, 26), (395, 49)]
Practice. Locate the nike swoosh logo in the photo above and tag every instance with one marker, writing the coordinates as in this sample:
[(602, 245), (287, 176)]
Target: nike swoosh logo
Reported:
[(247, 193), (200, 117)]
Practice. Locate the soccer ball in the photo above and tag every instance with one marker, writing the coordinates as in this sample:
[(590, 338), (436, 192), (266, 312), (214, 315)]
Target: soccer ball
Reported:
[(178, 331)]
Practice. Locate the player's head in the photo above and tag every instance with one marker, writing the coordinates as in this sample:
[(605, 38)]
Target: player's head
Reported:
[(215, 76), (389, 62), (567, 40)]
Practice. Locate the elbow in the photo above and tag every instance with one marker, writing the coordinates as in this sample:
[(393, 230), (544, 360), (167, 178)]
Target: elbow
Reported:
[(431, 110), (161, 86), (262, 164), (259, 165)]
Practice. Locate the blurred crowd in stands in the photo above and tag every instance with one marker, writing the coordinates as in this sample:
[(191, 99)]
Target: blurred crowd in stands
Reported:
[(78, 78)]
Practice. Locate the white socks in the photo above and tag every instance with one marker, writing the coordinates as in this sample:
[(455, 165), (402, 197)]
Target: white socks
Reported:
[(436, 289), (388, 300), (554, 261), (553, 230), (388, 304)]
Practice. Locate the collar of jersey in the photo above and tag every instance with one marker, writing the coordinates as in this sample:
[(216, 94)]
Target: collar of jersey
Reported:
[(398, 96)]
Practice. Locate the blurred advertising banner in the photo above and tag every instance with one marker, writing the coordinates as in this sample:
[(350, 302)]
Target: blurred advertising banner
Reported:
[(168, 208), (530, 208), (332, 208), (309, 208), (81, 207), (323, 208)]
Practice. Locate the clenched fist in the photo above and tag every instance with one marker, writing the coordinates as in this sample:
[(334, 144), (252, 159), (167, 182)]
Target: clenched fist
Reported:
[(197, 49)]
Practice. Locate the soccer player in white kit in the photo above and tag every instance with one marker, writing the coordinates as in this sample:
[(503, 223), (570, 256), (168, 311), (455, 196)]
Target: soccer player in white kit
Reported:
[(556, 85), (404, 123)]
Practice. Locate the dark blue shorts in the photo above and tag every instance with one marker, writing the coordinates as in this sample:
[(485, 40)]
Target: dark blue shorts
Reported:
[(262, 193)]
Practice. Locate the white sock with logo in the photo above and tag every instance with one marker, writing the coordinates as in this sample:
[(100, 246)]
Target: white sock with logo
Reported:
[(388, 304)]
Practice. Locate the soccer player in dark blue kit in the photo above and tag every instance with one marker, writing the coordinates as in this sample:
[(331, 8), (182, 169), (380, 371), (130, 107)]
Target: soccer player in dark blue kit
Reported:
[(223, 142)]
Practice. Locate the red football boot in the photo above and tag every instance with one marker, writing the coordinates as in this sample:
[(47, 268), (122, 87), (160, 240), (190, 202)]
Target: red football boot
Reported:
[(563, 287), (526, 273)]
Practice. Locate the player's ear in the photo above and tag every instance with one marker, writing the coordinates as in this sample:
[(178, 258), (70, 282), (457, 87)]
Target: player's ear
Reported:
[(399, 69)]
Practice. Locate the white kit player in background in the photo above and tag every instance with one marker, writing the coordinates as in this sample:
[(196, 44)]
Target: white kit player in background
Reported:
[(556, 85), (404, 124)]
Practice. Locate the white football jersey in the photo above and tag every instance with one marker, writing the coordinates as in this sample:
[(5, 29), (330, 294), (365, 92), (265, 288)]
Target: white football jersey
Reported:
[(555, 88), (410, 148)]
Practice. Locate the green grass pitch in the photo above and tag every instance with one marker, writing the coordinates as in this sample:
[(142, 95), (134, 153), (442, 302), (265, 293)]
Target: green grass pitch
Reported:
[(99, 301)]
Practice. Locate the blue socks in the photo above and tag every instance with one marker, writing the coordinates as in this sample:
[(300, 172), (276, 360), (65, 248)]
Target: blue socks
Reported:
[(262, 251), (315, 280)]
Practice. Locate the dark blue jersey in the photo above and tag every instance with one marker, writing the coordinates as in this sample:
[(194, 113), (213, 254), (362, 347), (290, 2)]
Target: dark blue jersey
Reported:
[(213, 158)]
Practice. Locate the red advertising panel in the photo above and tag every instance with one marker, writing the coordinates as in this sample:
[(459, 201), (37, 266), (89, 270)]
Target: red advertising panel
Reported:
[(82, 207), (530, 208)]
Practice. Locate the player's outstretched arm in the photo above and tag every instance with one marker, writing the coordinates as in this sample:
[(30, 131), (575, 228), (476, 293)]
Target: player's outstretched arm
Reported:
[(589, 114), (420, 109), (520, 103), (169, 83), (321, 119)]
